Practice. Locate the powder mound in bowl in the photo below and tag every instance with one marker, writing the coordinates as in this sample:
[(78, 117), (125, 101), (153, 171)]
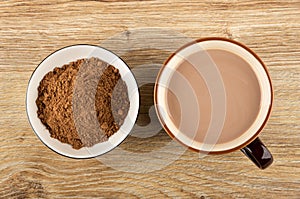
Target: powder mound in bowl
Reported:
[(83, 103)]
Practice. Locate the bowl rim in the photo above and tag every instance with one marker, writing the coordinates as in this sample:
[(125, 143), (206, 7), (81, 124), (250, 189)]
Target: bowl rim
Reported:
[(27, 92)]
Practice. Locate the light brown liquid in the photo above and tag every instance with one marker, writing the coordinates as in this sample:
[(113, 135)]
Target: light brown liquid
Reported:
[(242, 97)]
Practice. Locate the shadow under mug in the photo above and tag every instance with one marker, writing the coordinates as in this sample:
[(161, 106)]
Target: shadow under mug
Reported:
[(248, 141)]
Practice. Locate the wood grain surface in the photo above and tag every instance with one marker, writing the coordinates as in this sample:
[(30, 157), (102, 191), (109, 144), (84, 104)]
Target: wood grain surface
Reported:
[(31, 30)]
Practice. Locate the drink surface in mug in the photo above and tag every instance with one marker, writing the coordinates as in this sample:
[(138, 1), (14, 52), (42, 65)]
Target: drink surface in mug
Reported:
[(242, 96)]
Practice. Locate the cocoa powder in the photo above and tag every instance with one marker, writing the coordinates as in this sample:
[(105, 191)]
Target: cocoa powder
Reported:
[(83, 103)]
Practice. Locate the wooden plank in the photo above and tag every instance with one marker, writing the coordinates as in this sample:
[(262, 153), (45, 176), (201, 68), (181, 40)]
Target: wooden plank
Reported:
[(31, 30)]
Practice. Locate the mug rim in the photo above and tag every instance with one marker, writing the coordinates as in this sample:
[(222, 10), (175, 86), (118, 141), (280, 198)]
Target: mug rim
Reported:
[(92, 155), (255, 135)]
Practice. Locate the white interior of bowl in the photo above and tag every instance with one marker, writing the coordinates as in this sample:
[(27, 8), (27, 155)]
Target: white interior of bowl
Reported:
[(65, 56), (173, 63)]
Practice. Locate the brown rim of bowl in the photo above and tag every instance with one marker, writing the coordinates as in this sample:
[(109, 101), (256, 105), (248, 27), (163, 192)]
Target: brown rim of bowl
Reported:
[(210, 39)]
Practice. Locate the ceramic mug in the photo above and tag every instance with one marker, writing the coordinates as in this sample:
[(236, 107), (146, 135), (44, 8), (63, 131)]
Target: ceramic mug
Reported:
[(214, 96)]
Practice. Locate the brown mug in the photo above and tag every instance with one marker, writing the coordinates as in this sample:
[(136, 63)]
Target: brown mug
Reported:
[(214, 95)]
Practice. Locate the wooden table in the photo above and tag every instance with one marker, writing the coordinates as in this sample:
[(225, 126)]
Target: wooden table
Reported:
[(31, 30)]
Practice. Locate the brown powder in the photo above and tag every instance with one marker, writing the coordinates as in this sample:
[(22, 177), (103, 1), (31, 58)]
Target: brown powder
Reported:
[(83, 103)]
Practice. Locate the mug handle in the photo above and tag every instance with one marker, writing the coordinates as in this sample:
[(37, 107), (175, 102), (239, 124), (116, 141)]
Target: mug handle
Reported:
[(258, 153)]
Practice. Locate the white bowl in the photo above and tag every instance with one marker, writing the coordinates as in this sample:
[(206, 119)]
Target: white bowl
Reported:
[(65, 56)]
